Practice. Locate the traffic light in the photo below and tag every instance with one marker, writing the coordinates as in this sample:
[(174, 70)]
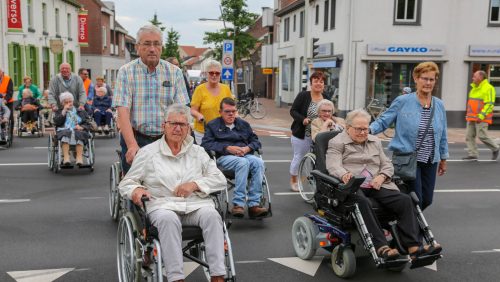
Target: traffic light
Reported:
[(315, 47)]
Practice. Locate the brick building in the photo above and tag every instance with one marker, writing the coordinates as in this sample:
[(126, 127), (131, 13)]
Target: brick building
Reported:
[(106, 51)]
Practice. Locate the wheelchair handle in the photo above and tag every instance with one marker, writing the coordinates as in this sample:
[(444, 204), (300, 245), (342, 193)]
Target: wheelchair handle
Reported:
[(144, 199)]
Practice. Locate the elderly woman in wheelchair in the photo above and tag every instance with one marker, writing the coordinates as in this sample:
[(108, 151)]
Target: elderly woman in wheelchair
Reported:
[(178, 177), (361, 181)]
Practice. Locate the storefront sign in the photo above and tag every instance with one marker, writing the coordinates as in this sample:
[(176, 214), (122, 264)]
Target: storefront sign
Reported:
[(267, 71), (14, 23), (83, 38), (406, 50), (56, 46), (325, 50), (484, 51)]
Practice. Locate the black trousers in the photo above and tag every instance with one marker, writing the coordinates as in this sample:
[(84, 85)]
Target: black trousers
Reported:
[(29, 116), (398, 203)]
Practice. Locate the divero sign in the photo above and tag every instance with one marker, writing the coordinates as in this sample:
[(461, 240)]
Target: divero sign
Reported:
[(405, 50)]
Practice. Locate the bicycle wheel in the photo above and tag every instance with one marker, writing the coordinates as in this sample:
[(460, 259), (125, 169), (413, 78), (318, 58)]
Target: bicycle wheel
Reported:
[(306, 182), (257, 110), (242, 110)]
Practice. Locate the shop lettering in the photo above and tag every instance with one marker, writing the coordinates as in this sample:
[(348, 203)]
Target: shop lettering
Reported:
[(83, 22), (13, 11), (408, 49)]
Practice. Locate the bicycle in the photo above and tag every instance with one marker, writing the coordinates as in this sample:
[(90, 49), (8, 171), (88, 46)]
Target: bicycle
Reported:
[(375, 108), (248, 104)]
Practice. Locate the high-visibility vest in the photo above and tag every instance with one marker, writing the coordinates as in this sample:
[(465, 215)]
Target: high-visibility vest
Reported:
[(4, 86), (86, 85), (481, 102)]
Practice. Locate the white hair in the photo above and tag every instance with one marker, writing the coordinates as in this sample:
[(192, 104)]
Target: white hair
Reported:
[(66, 96), (148, 29), (357, 113), (211, 63), (178, 109), (326, 102), (103, 89), (27, 90)]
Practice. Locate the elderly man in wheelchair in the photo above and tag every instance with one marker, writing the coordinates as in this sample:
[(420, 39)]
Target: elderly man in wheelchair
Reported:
[(361, 192), (178, 177), (233, 141)]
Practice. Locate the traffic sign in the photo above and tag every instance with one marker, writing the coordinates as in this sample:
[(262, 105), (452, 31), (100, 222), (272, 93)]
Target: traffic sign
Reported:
[(227, 73), (227, 61), (228, 46)]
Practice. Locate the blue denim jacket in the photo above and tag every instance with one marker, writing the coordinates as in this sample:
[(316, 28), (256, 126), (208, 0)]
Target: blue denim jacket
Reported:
[(405, 111)]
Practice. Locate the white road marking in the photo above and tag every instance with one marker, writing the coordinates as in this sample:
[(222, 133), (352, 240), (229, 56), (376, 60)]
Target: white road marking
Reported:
[(275, 132), (437, 191), (188, 268), (91, 198), (486, 251), (36, 148), (479, 149), (290, 193), (482, 161), (42, 275), (22, 164), (433, 266), (249, 261), (277, 161), (4, 201), (308, 267)]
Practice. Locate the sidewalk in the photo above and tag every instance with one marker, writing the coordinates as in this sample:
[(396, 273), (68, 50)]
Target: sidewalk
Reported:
[(279, 119)]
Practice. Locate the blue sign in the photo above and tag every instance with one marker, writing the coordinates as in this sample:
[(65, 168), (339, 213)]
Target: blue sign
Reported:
[(227, 74), (228, 46)]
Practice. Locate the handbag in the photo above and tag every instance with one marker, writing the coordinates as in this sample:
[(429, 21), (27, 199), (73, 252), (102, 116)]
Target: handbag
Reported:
[(405, 164)]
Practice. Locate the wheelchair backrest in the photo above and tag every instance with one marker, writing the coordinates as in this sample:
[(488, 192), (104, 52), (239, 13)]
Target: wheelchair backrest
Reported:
[(320, 148)]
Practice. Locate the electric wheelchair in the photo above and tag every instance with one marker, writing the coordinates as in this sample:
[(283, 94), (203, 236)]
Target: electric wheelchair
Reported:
[(55, 157), (139, 249), (339, 226), (265, 199)]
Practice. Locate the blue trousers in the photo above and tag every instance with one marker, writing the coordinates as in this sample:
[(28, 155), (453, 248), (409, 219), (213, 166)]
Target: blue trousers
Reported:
[(141, 141), (98, 117), (424, 183), (246, 166)]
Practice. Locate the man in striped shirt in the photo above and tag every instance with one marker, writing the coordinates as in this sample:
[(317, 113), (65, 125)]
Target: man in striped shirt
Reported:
[(144, 89)]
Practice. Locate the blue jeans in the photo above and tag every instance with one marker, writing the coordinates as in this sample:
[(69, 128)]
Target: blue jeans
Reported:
[(244, 167), (99, 116), (424, 183)]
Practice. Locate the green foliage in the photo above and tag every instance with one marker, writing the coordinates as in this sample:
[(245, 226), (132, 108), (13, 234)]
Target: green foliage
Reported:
[(235, 13), (171, 48), (154, 21)]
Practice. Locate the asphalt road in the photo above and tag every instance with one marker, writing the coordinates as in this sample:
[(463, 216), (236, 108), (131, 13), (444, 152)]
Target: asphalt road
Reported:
[(60, 224)]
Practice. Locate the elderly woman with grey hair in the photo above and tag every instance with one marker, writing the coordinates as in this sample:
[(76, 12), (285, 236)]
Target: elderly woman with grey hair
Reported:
[(205, 103), (326, 121), (178, 176), (356, 152), (72, 128)]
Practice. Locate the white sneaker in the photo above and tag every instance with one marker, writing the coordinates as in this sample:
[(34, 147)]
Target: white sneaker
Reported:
[(99, 128), (106, 128)]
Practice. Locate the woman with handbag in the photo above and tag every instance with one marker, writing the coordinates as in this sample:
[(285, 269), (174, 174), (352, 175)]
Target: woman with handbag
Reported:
[(420, 144)]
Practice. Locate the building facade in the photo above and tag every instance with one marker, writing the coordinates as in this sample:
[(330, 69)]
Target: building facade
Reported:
[(43, 34), (368, 49), (106, 50)]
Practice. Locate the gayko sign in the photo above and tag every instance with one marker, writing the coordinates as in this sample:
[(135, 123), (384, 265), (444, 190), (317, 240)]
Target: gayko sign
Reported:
[(83, 37), (14, 23), (406, 50)]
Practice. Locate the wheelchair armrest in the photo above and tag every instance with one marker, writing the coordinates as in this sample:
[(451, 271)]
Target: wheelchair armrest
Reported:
[(328, 178), (259, 151), (210, 153)]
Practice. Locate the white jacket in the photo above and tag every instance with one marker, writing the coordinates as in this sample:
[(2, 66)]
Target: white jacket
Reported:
[(156, 169)]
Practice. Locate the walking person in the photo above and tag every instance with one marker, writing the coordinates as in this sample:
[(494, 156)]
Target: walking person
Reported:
[(66, 81), (145, 87), (420, 126), (304, 110), (479, 115)]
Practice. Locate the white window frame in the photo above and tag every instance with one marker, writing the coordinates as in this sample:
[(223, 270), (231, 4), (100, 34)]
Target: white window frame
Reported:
[(490, 13), (104, 36), (406, 21)]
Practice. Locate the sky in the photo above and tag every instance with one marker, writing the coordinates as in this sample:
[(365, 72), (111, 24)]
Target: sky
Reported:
[(182, 15)]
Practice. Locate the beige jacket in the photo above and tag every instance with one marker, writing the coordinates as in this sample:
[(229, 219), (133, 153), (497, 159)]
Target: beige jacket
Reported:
[(159, 171), (344, 156), (317, 124)]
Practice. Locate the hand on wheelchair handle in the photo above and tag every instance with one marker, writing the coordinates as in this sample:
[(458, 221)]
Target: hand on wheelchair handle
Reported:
[(138, 194)]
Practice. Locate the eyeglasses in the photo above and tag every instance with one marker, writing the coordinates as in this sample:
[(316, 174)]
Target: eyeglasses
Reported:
[(428, 79), (174, 124), (148, 44), (360, 130), (229, 111), (84, 73), (326, 111), (214, 73)]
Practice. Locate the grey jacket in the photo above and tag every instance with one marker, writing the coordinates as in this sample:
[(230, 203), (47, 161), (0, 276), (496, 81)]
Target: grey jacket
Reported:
[(75, 87), (344, 156), (4, 110)]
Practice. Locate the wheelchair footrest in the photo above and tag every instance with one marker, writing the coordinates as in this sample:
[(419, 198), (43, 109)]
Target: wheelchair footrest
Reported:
[(84, 166), (424, 261), (70, 166), (394, 263)]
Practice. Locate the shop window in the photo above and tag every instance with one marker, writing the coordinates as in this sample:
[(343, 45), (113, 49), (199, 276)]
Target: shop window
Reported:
[(302, 24), (16, 63), (325, 23), (407, 12), (494, 19), (287, 75), (286, 30)]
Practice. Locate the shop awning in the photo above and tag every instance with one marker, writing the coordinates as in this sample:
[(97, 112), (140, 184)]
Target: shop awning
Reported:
[(325, 64)]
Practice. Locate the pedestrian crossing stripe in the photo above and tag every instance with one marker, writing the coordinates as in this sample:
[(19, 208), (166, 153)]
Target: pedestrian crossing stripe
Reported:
[(42, 275)]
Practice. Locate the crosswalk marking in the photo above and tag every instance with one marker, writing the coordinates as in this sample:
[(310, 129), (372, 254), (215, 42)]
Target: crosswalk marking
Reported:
[(309, 267), (42, 275)]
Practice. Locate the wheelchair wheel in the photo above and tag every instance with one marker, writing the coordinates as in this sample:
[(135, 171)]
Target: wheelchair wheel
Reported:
[(347, 265), (57, 157), (128, 265), (157, 265), (203, 257), (114, 195), (304, 232), (50, 154), (306, 182)]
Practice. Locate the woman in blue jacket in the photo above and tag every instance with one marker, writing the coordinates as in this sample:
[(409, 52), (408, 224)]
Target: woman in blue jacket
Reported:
[(411, 114), (102, 109)]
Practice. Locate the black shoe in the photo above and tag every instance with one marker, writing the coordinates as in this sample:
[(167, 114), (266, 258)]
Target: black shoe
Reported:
[(470, 158), (494, 155)]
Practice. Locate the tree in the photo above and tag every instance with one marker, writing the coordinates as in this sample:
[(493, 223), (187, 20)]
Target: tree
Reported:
[(154, 21), (171, 48), (234, 12)]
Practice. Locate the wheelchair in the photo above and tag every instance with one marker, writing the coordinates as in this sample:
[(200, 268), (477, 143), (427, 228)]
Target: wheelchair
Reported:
[(112, 127), (339, 226), (265, 199), (139, 249), (7, 135), (55, 156), (38, 130), (116, 203)]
